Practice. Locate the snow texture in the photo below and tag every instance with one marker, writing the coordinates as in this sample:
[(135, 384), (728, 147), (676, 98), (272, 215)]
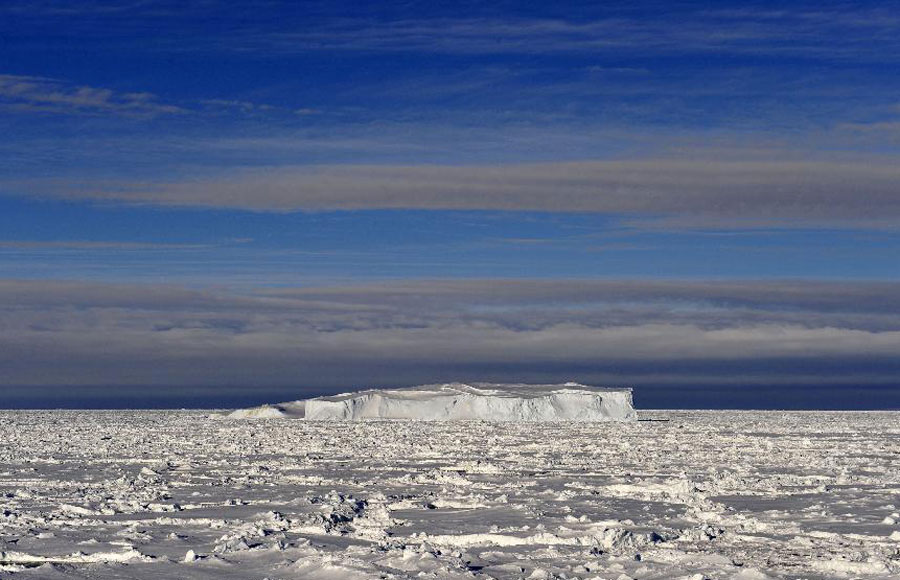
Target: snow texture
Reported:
[(460, 401), (112, 495)]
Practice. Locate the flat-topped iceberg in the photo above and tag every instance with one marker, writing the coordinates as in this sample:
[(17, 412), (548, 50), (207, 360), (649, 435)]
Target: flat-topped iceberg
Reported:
[(461, 401)]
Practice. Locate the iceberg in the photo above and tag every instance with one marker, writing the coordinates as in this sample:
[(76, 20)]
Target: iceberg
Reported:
[(461, 401)]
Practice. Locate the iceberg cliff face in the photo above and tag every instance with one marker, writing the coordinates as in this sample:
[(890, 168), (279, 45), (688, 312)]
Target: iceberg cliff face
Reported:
[(460, 401)]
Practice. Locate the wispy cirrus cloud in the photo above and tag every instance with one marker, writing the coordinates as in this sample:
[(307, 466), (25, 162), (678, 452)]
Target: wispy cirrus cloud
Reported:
[(786, 33), (251, 108), (95, 245), (866, 32), (33, 94), (44, 95)]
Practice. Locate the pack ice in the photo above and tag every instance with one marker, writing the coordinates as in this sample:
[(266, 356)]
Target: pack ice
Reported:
[(461, 401)]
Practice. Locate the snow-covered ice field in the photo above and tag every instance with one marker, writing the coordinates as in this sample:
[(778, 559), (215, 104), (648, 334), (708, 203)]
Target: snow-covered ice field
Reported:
[(746, 495)]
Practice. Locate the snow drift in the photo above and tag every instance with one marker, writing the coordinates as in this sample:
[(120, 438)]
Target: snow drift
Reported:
[(459, 401)]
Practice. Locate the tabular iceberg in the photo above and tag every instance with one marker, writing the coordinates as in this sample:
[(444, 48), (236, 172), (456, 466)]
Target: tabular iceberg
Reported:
[(461, 401)]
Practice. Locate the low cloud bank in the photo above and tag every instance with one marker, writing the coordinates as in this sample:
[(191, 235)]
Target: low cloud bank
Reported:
[(73, 333)]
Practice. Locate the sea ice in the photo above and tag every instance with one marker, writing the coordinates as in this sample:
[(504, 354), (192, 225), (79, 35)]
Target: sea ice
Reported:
[(110, 495)]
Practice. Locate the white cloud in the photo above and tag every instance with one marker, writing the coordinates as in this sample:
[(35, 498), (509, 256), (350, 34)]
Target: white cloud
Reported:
[(38, 94)]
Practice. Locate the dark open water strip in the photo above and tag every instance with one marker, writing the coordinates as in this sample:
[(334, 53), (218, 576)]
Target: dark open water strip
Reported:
[(793, 397)]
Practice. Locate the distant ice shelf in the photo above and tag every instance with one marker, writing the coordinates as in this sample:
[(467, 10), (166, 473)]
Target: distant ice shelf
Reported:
[(461, 401)]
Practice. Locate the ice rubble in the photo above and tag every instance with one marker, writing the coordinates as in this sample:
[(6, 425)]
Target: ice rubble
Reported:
[(459, 401), (694, 494)]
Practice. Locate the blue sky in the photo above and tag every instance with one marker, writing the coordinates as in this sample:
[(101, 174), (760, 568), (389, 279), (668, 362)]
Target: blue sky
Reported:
[(157, 148)]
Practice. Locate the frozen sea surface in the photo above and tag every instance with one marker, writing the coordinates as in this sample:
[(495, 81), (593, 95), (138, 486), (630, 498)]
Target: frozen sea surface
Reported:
[(745, 495)]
